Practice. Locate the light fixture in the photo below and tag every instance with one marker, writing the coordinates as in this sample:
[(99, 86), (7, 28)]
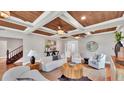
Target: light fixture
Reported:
[(60, 31), (4, 14), (77, 37), (83, 17)]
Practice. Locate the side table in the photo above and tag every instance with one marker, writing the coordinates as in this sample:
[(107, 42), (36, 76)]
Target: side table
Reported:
[(34, 66), (73, 71)]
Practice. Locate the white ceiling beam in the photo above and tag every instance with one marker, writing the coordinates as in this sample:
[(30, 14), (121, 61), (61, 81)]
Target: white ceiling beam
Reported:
[(93, 35), (104, 25), (48, 30), (17, 21), (107, 24), (11, 29), (44, 18), (103, 33), (45, 36), (70, 20)]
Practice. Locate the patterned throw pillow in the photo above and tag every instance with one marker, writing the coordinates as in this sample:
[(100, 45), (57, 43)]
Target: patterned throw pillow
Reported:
[(100, 56)]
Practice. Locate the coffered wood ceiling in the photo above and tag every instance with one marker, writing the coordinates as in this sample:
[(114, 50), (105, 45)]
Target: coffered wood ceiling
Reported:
[(68, 21), (30, 16), (94, 17), (42, 33), (11, 25), (59, 22)]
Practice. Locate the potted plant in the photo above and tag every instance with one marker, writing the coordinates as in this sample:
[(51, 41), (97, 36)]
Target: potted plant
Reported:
[(118, 37)]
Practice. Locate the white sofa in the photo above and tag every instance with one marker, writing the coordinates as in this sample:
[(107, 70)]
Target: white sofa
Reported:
[(97, 61), (22, 72), (47, 63)]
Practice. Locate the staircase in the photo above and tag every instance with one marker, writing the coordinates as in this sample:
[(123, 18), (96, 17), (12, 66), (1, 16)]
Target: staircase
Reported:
[(14, 55)]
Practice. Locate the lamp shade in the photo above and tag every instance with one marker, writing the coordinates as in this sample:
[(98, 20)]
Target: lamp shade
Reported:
[(32, 53)]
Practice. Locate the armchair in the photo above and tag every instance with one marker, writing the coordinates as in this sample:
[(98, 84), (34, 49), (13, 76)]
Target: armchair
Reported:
[(97, 61)]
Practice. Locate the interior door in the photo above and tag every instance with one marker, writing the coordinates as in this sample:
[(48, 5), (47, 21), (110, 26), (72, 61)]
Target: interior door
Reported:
[(71, 48)]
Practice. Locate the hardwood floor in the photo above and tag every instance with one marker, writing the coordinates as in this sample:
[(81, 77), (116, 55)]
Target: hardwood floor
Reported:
[(94, 74), (4, 67)]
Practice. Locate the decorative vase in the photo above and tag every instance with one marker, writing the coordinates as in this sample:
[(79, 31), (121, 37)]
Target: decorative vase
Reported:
[(117, 48)]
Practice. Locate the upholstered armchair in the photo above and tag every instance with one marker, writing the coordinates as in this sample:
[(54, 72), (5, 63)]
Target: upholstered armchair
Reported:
[(97, 61)]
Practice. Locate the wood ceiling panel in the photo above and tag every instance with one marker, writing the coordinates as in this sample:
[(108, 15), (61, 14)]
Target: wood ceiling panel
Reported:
[(59, 22), (43, 33), (94, 17), (30, 16), (83, 34), (64, 37), (11, 25), (104, 30)]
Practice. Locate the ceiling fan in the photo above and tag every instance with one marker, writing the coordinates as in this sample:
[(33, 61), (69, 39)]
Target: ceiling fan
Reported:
[(60, 31)]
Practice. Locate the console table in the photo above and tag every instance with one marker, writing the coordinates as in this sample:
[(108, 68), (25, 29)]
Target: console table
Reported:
[(117, 68)]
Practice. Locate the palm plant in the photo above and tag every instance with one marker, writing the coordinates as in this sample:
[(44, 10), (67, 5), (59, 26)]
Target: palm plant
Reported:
[(118, 36)]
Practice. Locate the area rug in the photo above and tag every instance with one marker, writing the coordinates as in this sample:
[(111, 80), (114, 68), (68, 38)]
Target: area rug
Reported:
[(63, 78)]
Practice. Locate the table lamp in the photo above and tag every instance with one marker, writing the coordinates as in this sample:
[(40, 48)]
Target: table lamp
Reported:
[(32, 54)]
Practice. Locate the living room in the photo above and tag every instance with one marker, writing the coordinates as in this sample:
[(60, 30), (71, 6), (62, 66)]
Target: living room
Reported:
[(65, 36)]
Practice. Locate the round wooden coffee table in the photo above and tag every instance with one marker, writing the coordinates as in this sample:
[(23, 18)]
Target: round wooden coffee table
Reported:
[(73, 71)]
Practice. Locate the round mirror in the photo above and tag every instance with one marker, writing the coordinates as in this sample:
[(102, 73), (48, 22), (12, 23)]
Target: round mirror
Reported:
[(92, 46)]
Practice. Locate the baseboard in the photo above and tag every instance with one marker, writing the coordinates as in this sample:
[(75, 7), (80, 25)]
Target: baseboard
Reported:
[(107, 62), (3, 57)]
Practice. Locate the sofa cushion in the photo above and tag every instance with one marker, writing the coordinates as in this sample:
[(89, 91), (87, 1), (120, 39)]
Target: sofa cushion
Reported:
[(14, 73), (46, 59), (52, 65)]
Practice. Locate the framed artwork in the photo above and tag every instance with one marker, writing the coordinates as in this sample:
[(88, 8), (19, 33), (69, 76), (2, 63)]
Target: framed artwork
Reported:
[(92, 46), (50, 45)]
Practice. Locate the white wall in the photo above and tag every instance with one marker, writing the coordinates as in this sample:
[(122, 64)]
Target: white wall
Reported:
[(8, 43), (106, 43), (32, 42), (37, 43), (3, 48), (59, 45), (14, 43)]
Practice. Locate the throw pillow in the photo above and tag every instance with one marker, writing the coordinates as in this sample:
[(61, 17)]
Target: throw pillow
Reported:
[(55, 58), (100, 56)]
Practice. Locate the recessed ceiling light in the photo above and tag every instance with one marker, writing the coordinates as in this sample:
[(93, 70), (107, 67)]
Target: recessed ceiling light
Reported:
[(83, 17)]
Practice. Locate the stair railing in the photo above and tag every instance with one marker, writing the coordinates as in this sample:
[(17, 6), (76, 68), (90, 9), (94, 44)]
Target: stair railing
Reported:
[(14, 55)]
